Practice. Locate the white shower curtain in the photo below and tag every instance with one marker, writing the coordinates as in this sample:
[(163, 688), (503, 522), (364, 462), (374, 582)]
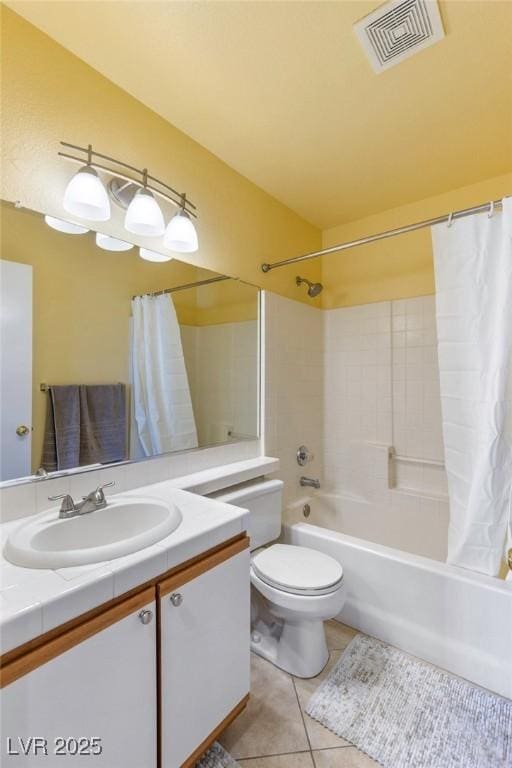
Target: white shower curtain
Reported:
[(473, 272), (161, 395)]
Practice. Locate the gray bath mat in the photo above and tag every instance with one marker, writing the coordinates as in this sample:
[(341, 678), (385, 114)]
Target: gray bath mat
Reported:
[(217, 757), (405, 713)]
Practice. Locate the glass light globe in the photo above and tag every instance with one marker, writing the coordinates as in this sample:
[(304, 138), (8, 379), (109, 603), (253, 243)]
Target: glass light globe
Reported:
[(148, 255), (181, 235), (111, 243), (144, 216), (65, 226), (86, 197)]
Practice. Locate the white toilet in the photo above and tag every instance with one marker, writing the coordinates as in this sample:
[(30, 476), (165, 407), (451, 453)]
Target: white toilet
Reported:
[(294, 589)]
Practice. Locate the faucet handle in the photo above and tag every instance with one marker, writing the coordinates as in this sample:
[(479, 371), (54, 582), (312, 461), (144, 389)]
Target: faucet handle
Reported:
[(304, 455), (98, 495), (68, 505)]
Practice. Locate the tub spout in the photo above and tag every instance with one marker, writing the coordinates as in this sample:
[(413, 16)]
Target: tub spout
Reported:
[(309, 482)]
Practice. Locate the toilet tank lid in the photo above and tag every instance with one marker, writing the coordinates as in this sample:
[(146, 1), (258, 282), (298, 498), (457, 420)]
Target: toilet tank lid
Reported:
[(237, 494)]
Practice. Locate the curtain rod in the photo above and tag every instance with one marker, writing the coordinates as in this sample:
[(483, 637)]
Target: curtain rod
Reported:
[(448, 217), (209, 281)]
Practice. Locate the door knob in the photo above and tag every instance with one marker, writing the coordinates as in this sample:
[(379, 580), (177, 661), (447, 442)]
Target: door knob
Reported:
[(22, 430), (146, 616), (176, 599)]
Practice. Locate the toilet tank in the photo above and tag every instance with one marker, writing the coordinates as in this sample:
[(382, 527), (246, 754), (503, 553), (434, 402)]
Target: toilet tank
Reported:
[(263, 499)]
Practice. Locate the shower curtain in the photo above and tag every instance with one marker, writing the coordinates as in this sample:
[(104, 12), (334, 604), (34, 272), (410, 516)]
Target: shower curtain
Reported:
[(473, 274), (161, 395)]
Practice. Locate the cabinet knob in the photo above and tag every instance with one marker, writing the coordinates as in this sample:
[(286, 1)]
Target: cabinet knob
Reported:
[(146, 616), (176, 599)]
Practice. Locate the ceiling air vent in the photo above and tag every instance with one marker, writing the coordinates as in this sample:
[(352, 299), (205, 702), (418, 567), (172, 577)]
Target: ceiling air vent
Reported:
[(399, 29)]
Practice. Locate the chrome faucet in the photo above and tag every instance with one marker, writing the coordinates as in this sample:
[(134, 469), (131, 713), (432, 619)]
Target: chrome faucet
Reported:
[(308, 482), (90, 503)]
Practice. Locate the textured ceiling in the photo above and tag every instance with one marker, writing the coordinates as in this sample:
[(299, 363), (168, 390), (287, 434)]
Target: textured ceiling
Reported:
[(282, 92)]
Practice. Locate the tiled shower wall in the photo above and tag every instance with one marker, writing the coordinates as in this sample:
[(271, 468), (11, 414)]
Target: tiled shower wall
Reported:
[(417, 425), (222, 368), (370, 389), (382, 387), (293, 397), (358, 396)]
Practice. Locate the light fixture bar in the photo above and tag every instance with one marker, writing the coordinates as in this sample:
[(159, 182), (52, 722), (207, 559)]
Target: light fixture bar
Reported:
[(130, 180), (142, 172), (182, 201)]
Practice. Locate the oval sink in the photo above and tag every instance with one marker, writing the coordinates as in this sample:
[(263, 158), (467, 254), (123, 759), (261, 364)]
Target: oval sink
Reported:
[(125, 525)]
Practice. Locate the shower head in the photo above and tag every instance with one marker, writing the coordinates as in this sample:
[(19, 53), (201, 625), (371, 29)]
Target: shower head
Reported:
[(313, 288)]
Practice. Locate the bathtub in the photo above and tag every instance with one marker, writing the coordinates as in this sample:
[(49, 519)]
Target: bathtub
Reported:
[(448, 616)]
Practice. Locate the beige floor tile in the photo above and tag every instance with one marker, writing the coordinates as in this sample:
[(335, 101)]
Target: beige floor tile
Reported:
[(338, 635), (319, 736), (271, 723), (295, 760), (346, 757)]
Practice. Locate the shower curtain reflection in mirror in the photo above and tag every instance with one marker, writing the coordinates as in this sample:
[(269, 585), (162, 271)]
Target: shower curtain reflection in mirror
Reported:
[(163, 414)]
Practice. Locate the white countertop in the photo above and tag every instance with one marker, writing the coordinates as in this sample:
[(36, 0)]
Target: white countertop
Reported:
[(34, 601), (216, 478)]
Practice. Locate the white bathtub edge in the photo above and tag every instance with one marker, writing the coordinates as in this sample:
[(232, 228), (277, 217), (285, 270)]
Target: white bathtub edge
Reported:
[(431, 610)]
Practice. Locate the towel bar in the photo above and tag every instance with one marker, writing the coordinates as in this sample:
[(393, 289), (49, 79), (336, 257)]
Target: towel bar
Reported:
[(43, 387)]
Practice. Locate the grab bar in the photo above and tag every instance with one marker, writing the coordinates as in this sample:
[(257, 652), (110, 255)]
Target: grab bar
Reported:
[(416, 460)]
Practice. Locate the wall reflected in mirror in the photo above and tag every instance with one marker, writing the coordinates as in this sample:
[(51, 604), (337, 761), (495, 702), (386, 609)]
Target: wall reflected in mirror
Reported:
[(100, 365)]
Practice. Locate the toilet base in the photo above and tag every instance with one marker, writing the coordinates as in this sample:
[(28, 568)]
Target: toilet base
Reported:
[(297, 647)]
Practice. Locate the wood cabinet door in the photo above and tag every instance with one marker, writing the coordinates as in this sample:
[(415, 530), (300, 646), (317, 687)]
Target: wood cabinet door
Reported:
[(204, 651), (93, 703)]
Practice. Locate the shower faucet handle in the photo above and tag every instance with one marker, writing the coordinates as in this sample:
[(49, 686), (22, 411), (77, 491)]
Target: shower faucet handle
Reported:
[(304, 455)]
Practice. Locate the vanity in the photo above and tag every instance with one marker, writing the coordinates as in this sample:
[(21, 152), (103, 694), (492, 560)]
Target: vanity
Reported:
[(151, 676)]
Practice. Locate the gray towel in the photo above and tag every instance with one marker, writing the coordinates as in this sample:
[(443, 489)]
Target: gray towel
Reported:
[(85, 424)]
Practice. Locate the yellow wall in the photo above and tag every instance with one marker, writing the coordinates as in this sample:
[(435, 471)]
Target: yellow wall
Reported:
[(82, 308), (402, 266), (226, 302), (49, 95)]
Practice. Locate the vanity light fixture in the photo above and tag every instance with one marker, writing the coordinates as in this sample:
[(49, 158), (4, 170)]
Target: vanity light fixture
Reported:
[(144, 216), (85, 194), (65, 226), (148, 255), (133, 189), (111, 243), (181, 235)]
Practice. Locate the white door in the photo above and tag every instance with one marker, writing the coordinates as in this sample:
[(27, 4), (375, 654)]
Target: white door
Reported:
[(93, 705), (15, 369), (205, 652)]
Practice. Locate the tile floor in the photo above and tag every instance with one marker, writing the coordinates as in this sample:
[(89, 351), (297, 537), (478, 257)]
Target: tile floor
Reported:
[(275, 732)]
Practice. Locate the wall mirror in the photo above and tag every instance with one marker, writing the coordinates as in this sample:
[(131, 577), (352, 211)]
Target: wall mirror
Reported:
[(107, 357)]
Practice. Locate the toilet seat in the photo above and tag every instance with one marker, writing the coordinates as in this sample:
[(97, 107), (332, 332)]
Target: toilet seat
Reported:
[(298, 570)]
